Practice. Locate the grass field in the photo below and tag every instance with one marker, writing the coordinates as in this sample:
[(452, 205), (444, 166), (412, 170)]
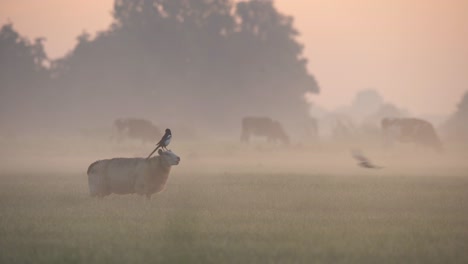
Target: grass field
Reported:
[(260, 209)]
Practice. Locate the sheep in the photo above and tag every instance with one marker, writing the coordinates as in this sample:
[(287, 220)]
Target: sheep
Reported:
[(131, 175)]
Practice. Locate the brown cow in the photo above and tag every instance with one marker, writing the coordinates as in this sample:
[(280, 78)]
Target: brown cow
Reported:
[(263, 127), (136, 128), (411, 130)]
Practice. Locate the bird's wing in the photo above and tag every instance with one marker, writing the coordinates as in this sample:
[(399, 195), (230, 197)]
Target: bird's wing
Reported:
[(358, 155), (164, 138)]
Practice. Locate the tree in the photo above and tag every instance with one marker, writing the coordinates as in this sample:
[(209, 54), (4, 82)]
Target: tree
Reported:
[(204, 61), (23, 76)]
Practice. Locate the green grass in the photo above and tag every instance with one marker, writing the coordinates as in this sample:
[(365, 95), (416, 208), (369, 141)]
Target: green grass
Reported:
[(238, 218)]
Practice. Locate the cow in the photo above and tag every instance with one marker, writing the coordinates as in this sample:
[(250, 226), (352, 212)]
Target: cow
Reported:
[(131, 175), (136, 128), (411, 130), (263, 127)]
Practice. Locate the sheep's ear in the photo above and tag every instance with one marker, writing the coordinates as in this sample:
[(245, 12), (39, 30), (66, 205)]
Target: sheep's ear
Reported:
[(160, 151)]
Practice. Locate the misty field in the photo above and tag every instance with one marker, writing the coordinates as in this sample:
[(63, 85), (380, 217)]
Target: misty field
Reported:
[(269, 210)]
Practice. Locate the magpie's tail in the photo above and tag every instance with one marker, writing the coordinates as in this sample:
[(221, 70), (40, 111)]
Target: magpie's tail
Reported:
[(157, 147)]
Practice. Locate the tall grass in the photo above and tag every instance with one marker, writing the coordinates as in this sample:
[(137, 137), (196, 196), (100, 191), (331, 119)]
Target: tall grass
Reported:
[(238, 217)]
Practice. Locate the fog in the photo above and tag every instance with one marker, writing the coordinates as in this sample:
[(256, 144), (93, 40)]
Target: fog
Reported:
[(267, 171), (198, 68)]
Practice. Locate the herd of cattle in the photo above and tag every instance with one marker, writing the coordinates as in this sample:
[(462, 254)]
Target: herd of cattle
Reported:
[(403, 130), (392, 130)]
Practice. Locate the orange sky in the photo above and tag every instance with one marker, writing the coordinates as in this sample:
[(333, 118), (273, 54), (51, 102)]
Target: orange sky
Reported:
[(414, 52)]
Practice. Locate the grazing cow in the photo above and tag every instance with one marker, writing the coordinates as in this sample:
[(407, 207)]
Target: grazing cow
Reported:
[(411, 130), (136, 128), (263, 127), (131, 175)]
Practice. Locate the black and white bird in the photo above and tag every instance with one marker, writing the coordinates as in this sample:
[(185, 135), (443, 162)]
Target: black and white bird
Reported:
[(164, 142), (363, 161)]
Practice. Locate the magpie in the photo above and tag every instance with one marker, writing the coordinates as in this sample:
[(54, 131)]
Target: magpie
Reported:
[(363, 161), (164, 142)]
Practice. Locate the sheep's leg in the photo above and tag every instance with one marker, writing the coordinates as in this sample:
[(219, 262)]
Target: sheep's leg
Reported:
[(147, 190)]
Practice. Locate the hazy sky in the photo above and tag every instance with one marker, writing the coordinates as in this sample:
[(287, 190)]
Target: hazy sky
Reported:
[(414, 52)]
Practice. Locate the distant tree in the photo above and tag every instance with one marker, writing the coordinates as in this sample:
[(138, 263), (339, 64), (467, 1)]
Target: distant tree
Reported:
[(23, 75), (367, 102), (272, 65), (206, 61), (462, 108)]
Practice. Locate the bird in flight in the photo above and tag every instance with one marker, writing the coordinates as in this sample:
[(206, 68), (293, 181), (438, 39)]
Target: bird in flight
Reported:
[(164, 142), (363, 161)]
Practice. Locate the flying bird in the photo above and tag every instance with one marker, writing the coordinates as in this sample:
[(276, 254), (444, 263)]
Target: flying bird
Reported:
[(164, 142), (363, 161)]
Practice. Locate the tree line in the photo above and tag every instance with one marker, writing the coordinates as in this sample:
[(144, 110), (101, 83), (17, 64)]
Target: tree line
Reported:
[(203, 62)]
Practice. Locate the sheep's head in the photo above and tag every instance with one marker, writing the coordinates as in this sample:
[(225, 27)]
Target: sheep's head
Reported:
[(169, 157)]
